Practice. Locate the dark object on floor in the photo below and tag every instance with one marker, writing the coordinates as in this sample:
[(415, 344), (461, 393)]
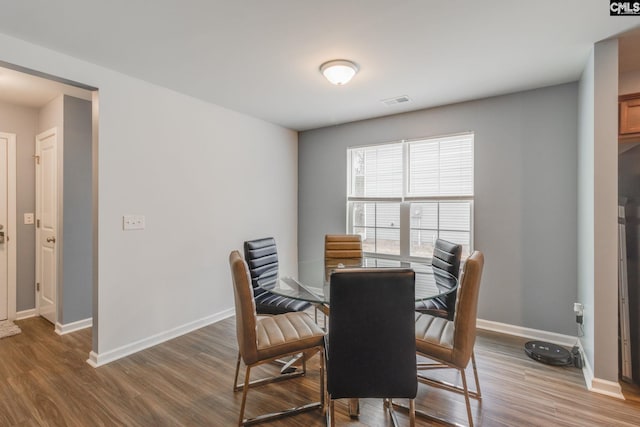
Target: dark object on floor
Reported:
[(552, 354)]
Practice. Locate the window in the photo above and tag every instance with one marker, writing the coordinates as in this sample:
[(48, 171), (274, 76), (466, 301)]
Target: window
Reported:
[(402, 196)]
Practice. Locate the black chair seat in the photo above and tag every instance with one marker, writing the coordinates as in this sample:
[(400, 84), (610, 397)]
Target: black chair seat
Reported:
[(268, 303)]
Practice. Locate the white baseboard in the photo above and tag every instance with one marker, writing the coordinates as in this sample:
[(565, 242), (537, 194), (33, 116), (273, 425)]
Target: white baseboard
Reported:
[(100, 359), (535, 334), (609, 388), (596, 385), (73, 326), (26, 314)]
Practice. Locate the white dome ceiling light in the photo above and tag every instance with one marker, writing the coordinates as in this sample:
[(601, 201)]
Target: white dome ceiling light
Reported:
[(339, 71)]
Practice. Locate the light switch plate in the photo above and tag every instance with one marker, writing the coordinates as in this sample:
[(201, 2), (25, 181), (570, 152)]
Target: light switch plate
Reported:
[(29, 218), (133, 222)]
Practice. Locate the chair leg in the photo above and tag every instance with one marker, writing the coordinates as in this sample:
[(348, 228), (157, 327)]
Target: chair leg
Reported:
[(235, 380), (388, 403), (475, 374), (354, 408), (466, 396), (446, 385), (322, 376), (280, 414), (412, 413), (245, 389), (332, 412)]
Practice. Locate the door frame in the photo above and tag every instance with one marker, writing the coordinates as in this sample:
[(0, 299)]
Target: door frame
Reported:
[(11, 229)]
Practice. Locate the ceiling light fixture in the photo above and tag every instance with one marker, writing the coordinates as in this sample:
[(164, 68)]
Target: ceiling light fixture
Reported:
[(339, 71)]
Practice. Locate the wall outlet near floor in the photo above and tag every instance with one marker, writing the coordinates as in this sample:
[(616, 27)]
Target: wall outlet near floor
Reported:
[(133, 222)]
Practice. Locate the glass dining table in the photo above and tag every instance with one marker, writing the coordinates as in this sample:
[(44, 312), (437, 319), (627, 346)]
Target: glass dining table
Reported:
[(311, 281)]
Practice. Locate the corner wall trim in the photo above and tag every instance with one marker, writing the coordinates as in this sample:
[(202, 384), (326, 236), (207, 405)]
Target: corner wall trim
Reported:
[(26, 314), (74, 326), (99, 359), (596, 385)]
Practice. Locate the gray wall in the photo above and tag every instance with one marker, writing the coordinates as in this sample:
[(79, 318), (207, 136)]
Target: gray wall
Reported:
[(77, 261), (525, 195), (23, 122)]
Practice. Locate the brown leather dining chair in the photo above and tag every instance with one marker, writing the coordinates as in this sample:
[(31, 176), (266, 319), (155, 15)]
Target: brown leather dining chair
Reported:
[(265, 339), (342, 246), (450, 342)]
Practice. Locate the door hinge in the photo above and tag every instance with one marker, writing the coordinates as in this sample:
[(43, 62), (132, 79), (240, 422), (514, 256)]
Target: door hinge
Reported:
[(37, 158), (37, 223), (38, 286)]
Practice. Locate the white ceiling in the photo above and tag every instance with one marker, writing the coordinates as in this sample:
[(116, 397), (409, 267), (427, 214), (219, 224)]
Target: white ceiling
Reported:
[(261, 57), (31, 91)]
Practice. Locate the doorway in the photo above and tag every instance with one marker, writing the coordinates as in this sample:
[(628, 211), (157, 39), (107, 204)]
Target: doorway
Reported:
[(34, 104)]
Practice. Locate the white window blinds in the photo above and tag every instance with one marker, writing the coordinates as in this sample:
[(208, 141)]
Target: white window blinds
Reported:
[(404, 195)]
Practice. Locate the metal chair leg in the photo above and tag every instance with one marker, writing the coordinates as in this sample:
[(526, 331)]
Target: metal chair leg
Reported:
[(354, 408), (247, 374), (446, 385), (235, 380), (475, 374), (412, 413), (322, 389), (332, 413), (466, 396)]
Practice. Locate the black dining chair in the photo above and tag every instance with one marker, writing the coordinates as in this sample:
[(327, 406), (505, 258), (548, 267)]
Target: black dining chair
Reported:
[(261, 256), (371, 342), (446, 260)]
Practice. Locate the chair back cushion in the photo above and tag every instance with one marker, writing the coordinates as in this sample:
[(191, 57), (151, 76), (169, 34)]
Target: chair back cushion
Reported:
[(446, 256), (245, 308), (342, 246), (262, 259), (371, 341), (464, 335)]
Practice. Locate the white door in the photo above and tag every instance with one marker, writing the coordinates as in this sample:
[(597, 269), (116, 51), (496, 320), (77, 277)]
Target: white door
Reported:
[(4, 252), (7, 225), (46, 223)]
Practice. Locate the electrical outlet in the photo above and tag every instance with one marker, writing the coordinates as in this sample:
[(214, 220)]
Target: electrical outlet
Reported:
[(29, 218), (133, 222)]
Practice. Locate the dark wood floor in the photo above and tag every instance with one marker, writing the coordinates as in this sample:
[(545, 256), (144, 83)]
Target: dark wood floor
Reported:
[(45, 381)]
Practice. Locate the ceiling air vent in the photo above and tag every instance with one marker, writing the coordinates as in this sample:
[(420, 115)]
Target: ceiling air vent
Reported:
[(396, 100)]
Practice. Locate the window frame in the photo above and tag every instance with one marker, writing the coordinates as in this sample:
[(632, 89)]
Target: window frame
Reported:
[(405, 200)]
